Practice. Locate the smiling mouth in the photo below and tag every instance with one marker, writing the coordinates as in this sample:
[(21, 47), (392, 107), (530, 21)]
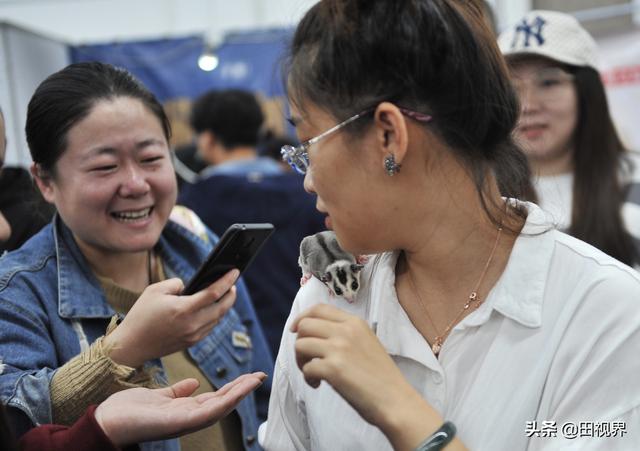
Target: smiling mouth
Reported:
[(531, 127), (132, 215)]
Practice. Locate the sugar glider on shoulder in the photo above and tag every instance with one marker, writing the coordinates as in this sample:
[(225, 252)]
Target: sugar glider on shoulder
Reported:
[(321, 256)]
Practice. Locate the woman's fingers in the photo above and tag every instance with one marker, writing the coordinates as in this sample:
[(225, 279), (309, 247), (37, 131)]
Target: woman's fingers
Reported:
[(183, 388), (308, 349), (248, 383), (257, 376), (213, 292), (315, 371), (315, 327), (209, 317), (321, 311), (172, 286)]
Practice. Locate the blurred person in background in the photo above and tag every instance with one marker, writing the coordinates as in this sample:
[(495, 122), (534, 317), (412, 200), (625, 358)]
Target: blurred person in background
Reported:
[(582, 173), (271, 146), (227, 125), (242, 186), (23, 211)]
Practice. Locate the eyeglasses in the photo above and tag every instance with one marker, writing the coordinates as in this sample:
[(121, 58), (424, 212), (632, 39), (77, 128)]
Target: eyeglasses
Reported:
[(298, 156), (547, 84)]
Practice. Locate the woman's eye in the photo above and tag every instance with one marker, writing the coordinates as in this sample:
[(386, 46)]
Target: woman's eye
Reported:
[(549, 82), (105, 168), (152, 159)]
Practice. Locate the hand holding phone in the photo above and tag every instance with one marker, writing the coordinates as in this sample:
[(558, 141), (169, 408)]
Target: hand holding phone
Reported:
[(237, 248)]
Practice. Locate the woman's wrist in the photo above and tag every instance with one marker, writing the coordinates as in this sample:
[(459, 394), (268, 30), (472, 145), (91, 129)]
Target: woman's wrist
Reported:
[(407, 423), (439, 439), (121, 355)]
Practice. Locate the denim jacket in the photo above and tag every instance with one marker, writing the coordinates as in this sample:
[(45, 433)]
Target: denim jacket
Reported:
[(52, 307)]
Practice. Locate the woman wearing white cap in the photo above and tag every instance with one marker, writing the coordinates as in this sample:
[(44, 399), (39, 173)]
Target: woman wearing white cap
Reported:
[(582, 172)]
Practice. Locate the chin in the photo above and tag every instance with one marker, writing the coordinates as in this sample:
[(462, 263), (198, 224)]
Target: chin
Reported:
[(354, 247), (135, 243)]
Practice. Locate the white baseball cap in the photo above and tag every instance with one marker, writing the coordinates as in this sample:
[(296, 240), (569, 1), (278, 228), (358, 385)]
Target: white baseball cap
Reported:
[(551, 34)]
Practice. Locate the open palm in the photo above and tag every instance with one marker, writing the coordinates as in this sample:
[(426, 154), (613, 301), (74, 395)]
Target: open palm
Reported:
[(142, 414)]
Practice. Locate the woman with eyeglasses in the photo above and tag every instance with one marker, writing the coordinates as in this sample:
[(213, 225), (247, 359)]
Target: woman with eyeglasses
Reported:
[(582, 173), (477, 325), (92, 304)]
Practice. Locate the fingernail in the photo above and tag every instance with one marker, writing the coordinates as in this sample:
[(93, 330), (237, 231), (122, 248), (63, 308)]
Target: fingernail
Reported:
[(235, 274)]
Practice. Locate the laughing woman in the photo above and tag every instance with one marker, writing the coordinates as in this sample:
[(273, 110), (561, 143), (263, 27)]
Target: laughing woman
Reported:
[(99, 143), (477, 324)]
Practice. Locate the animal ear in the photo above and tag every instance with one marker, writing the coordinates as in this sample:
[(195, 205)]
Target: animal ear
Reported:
[(326, 277), (356, 268)]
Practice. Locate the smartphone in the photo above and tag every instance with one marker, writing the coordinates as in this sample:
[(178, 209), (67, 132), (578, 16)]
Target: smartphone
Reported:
[(237, 248)]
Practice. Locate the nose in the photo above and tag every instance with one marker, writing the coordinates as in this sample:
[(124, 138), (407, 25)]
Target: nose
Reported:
[(134, 183), (308, 182), (529, 99)]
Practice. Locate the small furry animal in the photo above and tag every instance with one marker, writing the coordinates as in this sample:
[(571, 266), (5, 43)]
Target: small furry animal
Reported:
[(321, 256)]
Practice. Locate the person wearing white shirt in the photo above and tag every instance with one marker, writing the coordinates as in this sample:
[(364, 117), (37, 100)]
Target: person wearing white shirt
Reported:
[(477, 325), (543, 347)]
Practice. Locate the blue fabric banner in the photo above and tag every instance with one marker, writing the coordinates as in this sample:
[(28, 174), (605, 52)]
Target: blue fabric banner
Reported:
[(169, 67)]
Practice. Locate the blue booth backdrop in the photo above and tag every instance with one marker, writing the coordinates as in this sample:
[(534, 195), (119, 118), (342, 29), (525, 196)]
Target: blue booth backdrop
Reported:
[(169, 68)]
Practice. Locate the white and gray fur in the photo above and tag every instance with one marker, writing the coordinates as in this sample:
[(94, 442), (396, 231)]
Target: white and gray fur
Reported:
[(322, 257)]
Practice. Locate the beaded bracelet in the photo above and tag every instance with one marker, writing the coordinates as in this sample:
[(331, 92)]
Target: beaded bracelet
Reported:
[(439, 439)]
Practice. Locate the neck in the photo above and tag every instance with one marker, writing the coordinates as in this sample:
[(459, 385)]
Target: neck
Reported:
[(129, 270), (448, 251)]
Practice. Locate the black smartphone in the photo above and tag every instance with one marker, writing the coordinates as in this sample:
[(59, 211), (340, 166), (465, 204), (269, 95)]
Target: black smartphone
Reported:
[(236, 249)]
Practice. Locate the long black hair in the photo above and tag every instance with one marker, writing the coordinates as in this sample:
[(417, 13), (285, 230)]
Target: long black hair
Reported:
[(599, 159)]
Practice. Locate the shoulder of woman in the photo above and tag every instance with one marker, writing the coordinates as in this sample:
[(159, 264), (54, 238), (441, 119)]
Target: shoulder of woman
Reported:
[(377, 268), (31, 257), (312, 291)]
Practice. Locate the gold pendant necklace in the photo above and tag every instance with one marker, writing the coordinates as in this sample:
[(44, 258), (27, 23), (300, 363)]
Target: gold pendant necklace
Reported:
[(473, 300)]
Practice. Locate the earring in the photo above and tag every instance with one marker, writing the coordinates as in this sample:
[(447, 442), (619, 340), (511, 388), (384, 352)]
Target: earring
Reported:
[(390, 165)]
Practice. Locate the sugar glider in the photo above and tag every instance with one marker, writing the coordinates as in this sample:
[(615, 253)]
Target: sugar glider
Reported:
[(321, 256)]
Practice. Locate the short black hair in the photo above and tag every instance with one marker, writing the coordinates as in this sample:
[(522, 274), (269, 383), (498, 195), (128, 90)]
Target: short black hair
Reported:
[(234, 116), (272, 144)]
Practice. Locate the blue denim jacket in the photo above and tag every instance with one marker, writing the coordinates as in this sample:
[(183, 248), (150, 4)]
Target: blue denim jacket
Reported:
[(52, 307)]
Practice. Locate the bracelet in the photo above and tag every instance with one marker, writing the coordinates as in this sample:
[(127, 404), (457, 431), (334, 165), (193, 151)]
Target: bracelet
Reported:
[(439, 439)]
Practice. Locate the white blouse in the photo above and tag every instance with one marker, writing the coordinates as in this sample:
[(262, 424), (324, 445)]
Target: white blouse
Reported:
[(556, 342)]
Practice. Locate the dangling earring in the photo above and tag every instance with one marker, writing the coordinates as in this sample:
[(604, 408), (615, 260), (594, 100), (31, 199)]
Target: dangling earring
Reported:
[(390, 165)]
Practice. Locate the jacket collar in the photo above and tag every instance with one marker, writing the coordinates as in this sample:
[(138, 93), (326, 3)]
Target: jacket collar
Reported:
[(80, 294)]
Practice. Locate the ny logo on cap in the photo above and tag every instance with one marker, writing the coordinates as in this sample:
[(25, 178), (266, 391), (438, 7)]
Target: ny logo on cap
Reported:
[(534, 29)]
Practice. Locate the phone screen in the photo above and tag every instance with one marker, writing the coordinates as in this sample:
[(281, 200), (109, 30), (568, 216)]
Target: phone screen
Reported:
[(237, 248)]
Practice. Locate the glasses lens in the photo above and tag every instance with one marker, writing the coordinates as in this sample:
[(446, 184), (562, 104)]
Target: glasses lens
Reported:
[(297, 159)]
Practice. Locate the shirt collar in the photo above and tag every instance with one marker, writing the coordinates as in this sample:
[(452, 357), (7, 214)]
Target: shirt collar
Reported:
[(519, 292), (390, 322), (80, 294)]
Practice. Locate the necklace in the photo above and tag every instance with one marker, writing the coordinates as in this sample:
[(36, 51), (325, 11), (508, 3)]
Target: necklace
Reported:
[(473, 299)]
